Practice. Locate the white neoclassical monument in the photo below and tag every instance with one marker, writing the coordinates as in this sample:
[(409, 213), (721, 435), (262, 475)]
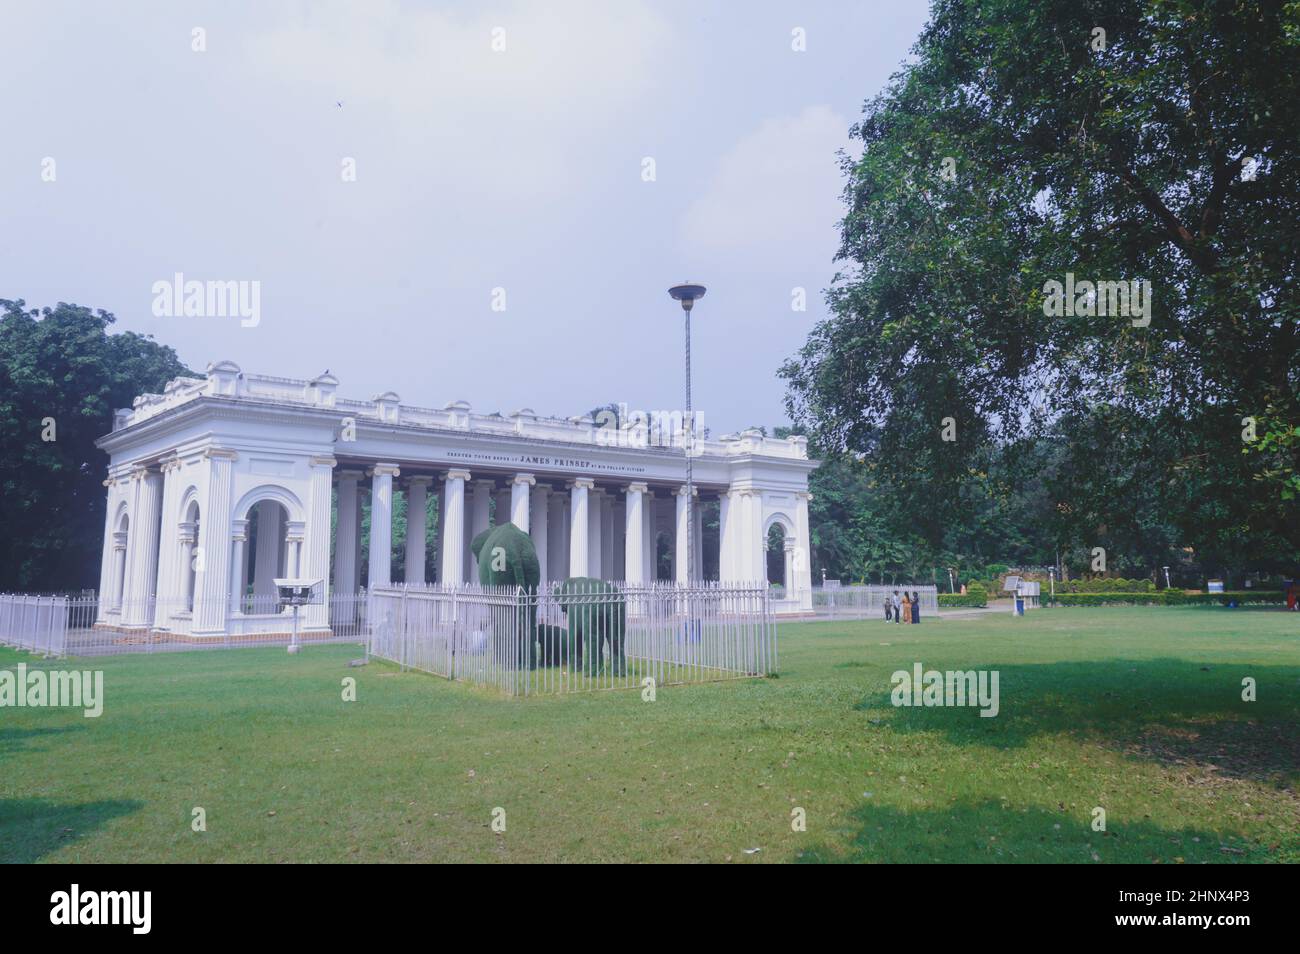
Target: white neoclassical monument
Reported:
[(223, 483)]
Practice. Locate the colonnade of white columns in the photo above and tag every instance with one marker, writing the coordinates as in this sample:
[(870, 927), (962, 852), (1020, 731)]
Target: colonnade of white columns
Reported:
[(201, 563)]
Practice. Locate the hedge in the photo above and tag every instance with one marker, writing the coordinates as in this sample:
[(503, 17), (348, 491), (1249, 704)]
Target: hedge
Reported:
[(1105, 584), (977, 599), (1165, 598)]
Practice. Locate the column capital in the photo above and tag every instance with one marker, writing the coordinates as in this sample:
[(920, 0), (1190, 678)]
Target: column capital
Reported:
[(582, 483), (637, 487), (323, 460), (803, 495), (141, 471), (457, 475), (220, 453), (295, 531), (681, 491), (170, 463), (239, 530), (384, 470), (528, 479)]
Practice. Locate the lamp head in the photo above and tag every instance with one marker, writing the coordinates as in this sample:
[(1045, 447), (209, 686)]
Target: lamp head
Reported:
[(686, 293)]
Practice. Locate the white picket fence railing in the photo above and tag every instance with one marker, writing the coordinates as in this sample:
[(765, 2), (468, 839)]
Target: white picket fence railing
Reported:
[(74, 625), (577, 636), (860, 602), (38, 624)]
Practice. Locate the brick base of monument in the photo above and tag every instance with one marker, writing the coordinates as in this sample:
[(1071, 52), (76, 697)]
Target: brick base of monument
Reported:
[(139, 635)]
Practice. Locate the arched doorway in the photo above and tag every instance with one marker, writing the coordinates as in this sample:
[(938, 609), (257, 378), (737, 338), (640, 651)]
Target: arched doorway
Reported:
[(266, 557), (779, 554), (776, 568)]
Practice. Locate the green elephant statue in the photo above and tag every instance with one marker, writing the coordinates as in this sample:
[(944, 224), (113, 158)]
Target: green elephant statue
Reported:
[(597, 614), (507, 557)]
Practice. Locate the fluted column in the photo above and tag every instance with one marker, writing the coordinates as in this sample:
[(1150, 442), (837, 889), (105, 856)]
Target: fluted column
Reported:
[(314, 561), (750, 546), (520, 490), (212, 578), (162, 583), (480, 494), (681, 534), (787, 575), (346, 534), (502, 511), (238, 555), (634, 528), (578, 529), (756, 545), (726, 538), (453, 533), (649, 550), (106, 567), (381, 523), (541, 529), (802, 560), (698, 519), (144, 546), (417, 490)]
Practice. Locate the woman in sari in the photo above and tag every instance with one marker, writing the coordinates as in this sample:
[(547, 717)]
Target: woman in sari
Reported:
[(905, 610), (916, 607)]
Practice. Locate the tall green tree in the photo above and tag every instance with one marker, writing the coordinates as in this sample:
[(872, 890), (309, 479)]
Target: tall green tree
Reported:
[(62, 375), (1039, 141)]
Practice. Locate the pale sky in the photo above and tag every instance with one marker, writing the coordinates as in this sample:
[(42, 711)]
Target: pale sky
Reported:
[(477, 169)]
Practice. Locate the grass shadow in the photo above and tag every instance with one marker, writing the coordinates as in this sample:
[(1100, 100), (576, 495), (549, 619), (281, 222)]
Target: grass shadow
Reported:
[(14, 740), (994, 832), (1173, 711), (31, 828)]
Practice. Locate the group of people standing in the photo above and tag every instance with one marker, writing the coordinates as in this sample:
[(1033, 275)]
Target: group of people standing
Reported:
[(905, 610)]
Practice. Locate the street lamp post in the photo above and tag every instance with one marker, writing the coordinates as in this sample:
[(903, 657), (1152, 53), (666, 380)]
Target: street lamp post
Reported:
[(687, 293)]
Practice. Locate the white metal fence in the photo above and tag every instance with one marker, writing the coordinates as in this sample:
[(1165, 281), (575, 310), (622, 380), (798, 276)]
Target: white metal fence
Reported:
[(859, 602), (576, 636), (74, 625), (35, 623)]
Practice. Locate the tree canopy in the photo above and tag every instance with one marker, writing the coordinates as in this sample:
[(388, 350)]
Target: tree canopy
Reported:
[(1033, 142), (62, 375)]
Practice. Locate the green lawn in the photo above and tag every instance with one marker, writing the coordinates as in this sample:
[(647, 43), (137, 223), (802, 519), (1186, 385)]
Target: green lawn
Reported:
[(1137, 710)]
